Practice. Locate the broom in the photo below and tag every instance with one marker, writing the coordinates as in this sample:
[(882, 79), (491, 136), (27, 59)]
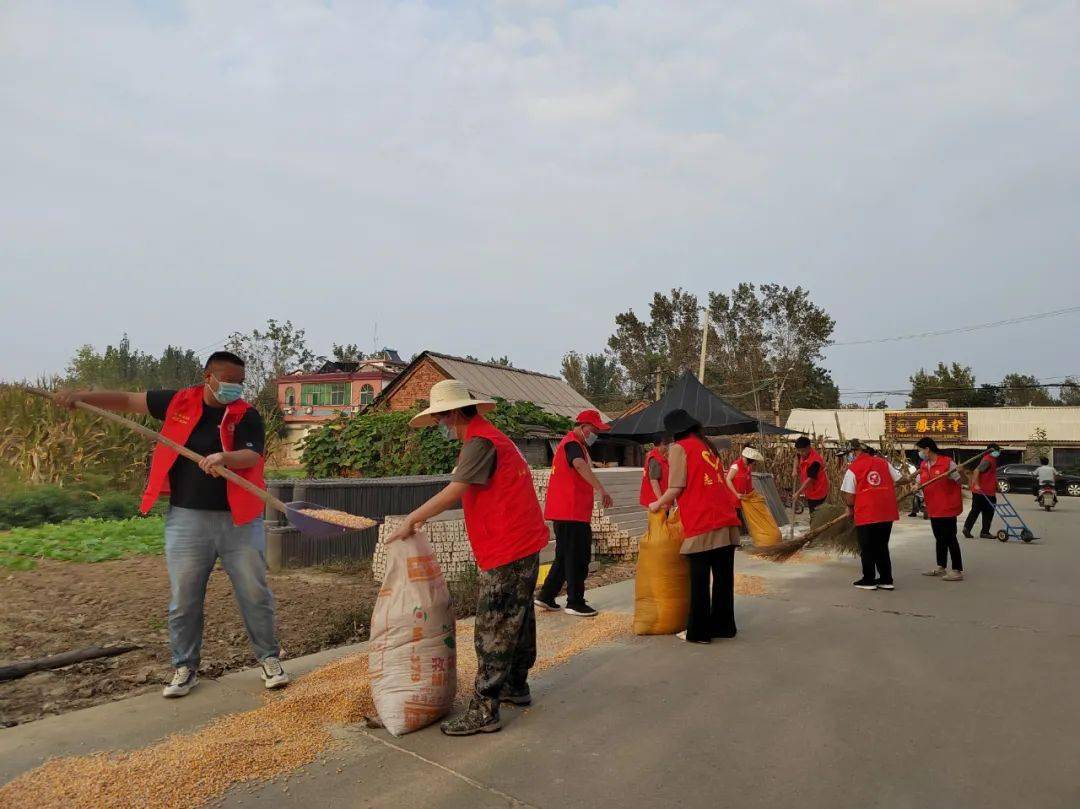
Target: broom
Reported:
[(783, 551)]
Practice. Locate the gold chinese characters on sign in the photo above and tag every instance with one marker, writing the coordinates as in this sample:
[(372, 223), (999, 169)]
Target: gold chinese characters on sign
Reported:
[(911, 425)]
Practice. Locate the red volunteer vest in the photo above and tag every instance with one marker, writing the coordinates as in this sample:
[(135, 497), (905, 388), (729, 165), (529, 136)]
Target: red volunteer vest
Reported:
[(647, 493), (986, 482), (706, 503), (743, 480), (569, 495), (875, 494), (817, 488), (181, 416), (502, 517), (943, 498)]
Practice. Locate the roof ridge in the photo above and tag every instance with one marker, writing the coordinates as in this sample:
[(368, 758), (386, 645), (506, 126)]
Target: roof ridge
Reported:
[(495, 365)]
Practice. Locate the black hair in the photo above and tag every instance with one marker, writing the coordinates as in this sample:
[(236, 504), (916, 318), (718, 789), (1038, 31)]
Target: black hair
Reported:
[(802, 442), (223, 356), (1044, 460), (993, 447), (468, 411), (928, 443), (699, 431)]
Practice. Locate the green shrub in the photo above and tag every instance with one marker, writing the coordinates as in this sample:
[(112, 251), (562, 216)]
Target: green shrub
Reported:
[(87, 540), (43, 505)]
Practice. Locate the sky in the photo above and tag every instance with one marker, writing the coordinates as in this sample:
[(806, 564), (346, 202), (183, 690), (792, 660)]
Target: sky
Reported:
[(502, 177)]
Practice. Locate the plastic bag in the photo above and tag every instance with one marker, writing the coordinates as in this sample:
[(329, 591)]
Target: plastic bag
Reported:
[(662, 581), (759, 520), (412, 658)]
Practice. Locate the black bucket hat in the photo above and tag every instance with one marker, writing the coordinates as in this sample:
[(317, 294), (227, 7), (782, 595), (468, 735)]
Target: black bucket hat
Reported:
[(679, 421)]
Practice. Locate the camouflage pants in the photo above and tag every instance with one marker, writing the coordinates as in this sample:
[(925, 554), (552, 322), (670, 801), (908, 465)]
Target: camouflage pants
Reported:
[(506, 626)]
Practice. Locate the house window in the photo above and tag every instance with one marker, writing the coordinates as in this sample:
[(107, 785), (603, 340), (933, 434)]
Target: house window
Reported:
[(367, 394), (290, 397), (324, 393), (1067, 459)]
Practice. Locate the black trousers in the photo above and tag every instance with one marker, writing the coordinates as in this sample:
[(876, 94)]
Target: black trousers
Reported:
[(813, 504), (944, 529), (984, 505), (874, 550), (712, 615), (573, 552)]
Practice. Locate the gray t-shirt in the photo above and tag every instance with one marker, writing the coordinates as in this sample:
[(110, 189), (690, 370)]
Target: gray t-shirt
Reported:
[(1045, 474), (475, 463)]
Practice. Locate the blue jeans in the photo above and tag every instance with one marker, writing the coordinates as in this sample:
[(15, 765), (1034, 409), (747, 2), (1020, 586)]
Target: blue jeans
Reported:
[(194, 540)]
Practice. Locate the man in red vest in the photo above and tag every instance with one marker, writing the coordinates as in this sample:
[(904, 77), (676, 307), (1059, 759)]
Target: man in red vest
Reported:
[(813, 479), (209, 518), (569, 506), (654, 477), (983, 493), (493, 483), (869, 489)]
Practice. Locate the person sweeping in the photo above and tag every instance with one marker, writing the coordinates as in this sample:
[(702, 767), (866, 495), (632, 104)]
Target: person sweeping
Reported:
[(983, 493), (813, 478), (710, 527), (944, 502), (869, 490), (209, 518), (506, 528)]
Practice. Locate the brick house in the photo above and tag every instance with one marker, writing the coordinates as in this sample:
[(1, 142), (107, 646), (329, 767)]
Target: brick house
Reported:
[(307, 399)]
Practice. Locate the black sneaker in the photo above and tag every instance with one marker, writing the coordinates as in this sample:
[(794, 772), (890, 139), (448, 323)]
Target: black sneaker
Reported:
[(515, 696), (481, 717), (985, 535), (967, 534), (582, 611), (863, 584), (547, 606), (885, 585)]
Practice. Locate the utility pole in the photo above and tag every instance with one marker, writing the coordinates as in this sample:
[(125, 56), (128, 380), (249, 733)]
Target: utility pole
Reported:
[(657, 399), (704, 347)]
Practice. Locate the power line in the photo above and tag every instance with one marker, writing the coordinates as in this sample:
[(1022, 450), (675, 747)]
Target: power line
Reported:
[(959, 329)]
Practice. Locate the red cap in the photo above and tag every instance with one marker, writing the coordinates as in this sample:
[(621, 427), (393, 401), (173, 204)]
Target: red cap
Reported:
[(592, 418)]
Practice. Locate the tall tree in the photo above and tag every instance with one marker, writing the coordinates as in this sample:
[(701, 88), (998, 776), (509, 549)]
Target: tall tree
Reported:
[(349, 352), (123, 367), (597, 377), (268, 354), (1070, 392), (573, 371), (954, 383), (668, 344), (1020, 390)]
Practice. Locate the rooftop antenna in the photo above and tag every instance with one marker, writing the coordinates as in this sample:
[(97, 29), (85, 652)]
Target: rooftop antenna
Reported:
[(375, 339)]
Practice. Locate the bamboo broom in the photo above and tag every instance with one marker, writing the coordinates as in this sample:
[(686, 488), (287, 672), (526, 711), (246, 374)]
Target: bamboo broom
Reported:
[(783, 551)]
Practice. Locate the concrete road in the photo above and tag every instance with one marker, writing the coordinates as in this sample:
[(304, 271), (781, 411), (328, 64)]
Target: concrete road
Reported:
[(934, 695)]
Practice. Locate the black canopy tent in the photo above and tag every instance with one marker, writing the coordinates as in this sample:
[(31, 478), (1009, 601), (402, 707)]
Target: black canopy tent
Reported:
[(716, 415)]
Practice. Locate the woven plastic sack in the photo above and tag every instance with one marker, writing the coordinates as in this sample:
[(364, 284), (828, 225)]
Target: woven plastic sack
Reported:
[(412, 658), (662, 581), (759, 520)]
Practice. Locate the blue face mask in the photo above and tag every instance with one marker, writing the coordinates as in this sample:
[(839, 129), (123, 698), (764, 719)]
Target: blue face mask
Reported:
[(922, 454), (447, 431), (227, 392), (995, 454), (849, 457)]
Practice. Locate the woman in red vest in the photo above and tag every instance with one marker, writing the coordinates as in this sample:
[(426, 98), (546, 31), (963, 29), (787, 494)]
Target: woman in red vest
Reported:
[(710, 527), (813, 479), (983, 493), (944, 501), (654, 477), (740, 477), (870, 493), (209, 518), (569, 506), (493, 483)]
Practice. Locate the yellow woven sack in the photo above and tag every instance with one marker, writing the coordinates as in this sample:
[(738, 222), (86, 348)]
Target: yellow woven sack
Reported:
[(759, 521), (662, 583)]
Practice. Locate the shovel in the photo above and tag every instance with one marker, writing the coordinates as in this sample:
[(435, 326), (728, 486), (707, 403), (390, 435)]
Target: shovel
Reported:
[(307, 524)]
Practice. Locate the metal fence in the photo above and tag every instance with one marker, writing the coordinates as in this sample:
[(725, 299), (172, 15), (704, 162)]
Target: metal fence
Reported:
[(371, 497)]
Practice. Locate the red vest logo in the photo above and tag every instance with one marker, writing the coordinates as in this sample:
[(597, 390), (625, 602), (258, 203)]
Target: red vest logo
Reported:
[(873, 478)]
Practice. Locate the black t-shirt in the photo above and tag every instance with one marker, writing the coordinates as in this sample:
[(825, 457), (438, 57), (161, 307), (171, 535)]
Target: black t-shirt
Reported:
[(573, 452), (189, 486), (812, 470)]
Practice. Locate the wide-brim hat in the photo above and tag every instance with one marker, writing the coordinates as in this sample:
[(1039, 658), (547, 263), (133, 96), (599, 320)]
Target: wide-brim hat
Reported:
[(450, 394), (752, 454), (679, 421)]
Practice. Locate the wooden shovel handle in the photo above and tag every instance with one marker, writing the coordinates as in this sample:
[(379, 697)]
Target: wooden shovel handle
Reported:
[(146, 432)]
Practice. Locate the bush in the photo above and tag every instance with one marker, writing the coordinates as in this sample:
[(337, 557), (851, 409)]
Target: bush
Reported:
[(42, 505)]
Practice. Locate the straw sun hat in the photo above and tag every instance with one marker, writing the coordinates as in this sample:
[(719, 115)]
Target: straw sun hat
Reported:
[(450, 394), (752, 454)]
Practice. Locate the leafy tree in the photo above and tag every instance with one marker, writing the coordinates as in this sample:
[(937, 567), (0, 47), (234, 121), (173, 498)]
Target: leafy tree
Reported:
[(350, 352), (279, 349), (1020, 390), (668, 344), (122, 367), (1070, 392), (597, 377), (954, 383), (503, 360)]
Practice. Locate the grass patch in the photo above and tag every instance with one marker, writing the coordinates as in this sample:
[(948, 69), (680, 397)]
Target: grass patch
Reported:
[(87, 540), (285, 473)]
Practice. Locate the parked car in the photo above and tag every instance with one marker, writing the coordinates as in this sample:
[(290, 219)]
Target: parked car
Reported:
[(1020, 477)]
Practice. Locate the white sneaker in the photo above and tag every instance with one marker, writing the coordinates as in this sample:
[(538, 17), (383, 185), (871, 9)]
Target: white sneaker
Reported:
[(274, 676), (184, 679), (937, 571), (682, 636)]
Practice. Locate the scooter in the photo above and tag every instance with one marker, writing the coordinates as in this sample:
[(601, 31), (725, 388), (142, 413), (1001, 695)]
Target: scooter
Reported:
[(1047, 496)]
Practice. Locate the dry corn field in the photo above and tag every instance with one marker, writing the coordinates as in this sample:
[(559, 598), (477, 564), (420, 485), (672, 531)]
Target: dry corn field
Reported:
[(290, 731)]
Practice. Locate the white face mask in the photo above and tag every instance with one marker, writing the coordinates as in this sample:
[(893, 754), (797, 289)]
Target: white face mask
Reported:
[(590, 439), (447, 430)]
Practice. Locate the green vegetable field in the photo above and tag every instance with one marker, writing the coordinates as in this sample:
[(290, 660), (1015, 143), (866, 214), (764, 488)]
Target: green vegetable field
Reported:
[(86, 540)]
